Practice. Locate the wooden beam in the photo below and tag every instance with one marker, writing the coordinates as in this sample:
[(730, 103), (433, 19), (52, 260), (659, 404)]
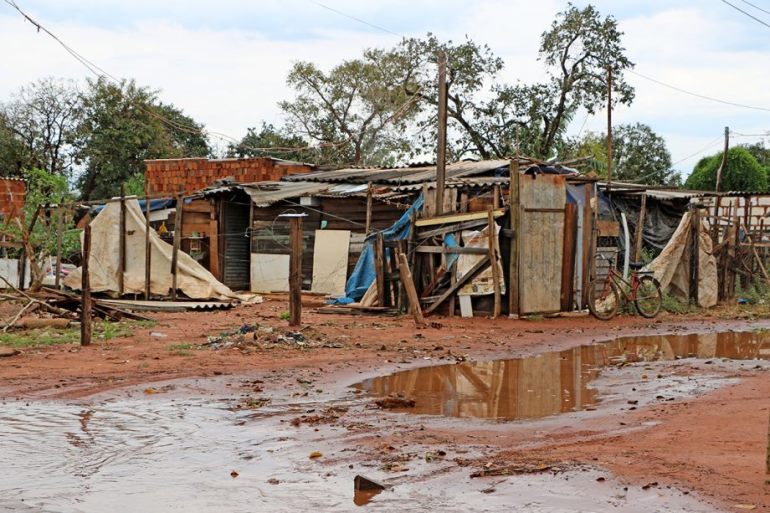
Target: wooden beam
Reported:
[(177, 242), (457, 218), (453, 228), (513, 262), (295, 272), (85, 285), (442, 132), (640, 229), (379, 268), (59, 235), (122, 242), (369, 209), (411, 292), (569, 246), (465, 278), (452, 250), (147, 250), (492, 247)]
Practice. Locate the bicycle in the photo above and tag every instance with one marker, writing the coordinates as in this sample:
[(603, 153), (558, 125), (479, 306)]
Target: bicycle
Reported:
[(604, 293)]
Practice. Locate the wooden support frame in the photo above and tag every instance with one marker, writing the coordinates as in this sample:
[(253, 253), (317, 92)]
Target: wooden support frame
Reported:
[(492, 247), (465, 278), (295, 271), (513, 262)]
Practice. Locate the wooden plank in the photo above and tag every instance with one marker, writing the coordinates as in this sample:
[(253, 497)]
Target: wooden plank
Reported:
[(608, 228), (568, 257), (213, 232), (492, 247), (369, 208), (411, 291), (59, 228), (379, 269), (476, 269), (452, 228), (452, 250), (513, 257), (457, 218)]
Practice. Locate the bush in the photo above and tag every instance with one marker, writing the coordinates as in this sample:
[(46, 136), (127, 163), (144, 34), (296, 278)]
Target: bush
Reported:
[(742, 173)]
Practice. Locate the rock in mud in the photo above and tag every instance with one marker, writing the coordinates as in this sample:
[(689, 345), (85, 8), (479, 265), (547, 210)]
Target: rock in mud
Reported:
[(395, 401), (8, 351)]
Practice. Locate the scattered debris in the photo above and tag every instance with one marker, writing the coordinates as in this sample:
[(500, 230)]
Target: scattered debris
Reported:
[(8, 351), (395, 401), (234, 474), (315, 455)]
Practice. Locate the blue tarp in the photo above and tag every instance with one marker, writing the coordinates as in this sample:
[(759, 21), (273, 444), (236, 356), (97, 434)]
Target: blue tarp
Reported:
[(363, 273), (156, 204)]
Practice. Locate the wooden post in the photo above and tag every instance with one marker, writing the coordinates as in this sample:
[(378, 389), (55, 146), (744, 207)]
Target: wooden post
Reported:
[(569, 244), (147, 249), (59, 235), (442, 129), (122, 241), (609, 128), (724, 159), (85, 285), (369, 209), (492, 229), (411, 292), (496, 196), (513, 264), (640, 229), (694, 254), (379, 271), (177, 242), (295, 271)]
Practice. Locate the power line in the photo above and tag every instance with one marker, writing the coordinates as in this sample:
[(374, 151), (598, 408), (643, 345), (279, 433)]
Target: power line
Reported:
[(359, 20), (697, 95), (709, 145), (746, 13), (756, 7)]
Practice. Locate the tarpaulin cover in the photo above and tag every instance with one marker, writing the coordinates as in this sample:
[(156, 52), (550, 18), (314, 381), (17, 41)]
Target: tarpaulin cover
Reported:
[(661, 217), (364, 272), (155, 204), (192, 279), (672, 267)]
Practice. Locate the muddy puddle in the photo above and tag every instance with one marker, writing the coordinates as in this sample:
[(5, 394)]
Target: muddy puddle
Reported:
[(550, 383)]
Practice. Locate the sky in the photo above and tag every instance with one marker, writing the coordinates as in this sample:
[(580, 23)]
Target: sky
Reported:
[(225, 62)]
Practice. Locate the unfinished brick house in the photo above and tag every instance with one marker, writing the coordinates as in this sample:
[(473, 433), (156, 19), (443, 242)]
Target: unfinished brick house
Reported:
[(12, 194), (172, 176)]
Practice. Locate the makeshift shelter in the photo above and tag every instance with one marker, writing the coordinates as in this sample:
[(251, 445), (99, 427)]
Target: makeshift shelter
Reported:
[(192, 279)]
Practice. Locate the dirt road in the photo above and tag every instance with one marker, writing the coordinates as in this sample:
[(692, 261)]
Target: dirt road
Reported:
[(669, 431)]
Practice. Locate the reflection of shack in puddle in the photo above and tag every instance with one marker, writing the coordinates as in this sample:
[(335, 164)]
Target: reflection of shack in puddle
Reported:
[(549, 383)]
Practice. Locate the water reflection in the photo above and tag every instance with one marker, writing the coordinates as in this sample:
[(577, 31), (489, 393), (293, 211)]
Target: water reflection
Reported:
[(550, 383)]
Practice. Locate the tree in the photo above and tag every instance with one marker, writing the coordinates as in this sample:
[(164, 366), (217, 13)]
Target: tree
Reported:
[(39, 237), (742, 172), (639, 155), (13, 154), (280, 143), (351, 111), (41, 119), (123, 125)]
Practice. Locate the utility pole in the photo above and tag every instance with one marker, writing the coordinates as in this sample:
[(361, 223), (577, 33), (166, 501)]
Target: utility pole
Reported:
[(609, 128), (442, 126), (295, 268), (85, 286), (724, 158)]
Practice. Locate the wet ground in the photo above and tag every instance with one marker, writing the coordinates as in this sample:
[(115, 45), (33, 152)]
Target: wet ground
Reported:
[(292, 440)]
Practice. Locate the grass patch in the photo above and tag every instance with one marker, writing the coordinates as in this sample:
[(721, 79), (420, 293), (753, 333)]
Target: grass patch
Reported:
[(674, 305), (284, 316), (41, 337), (184, 349)]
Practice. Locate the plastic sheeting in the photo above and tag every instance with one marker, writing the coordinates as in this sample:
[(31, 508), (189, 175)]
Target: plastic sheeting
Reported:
[(192, 279), (672, 267), (661, 217), (363, 274)]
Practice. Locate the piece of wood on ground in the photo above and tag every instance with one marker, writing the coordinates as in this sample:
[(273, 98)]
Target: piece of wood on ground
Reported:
[(411, 291)]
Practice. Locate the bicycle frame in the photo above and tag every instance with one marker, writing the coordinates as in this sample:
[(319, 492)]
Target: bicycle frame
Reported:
[(613, 276)]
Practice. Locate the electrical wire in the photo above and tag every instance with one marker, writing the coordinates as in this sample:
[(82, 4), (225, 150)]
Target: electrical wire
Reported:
[(359, 20), (698, 95), (709, 145), (756, 7), (746, 13)]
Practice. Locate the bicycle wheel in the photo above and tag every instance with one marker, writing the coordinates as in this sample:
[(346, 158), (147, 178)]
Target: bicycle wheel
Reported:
[(603, 299), (649, 298)]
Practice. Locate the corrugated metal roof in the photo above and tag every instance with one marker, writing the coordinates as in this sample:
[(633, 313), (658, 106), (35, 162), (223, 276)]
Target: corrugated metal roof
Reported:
[(264, 194), (480, 181), (399, 176)]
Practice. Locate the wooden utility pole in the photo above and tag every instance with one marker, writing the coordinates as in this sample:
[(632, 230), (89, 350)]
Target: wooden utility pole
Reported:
[(492, 242), (724, 159), (122, 241), (442, 128), (295, 269), (59, 235), (85, 285), (147, 249), (513, 260), (640, 229), (609, 128), (177, 242)]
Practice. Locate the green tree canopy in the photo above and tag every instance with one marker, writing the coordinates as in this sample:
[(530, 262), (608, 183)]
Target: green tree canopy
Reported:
[(742, 172), (123, 125), (270, 141)]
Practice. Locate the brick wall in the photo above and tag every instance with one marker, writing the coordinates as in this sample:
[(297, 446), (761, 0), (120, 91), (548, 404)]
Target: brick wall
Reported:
[(12, 193), (168, 176)]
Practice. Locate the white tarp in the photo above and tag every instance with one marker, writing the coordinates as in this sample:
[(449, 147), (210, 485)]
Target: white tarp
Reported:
[(672, 267), (483, 283), (192, 279)]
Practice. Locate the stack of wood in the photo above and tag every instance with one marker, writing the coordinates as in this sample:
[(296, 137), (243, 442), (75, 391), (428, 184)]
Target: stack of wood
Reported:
[(59, 309)]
